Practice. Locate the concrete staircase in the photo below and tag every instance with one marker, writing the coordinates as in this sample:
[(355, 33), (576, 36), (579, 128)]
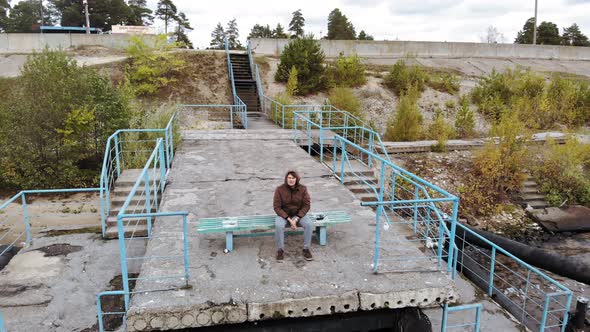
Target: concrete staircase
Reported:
[(123, 185), (529, 194), (245, 84), (357, 181)]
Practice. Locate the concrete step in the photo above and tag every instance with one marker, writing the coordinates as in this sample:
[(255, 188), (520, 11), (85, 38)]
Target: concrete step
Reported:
[(529, 183), (112, 232), (112, 221), (531, 197), (537, 204), (366, 197), (529, 190), (357, 181), (115, 210), (359, 188), (356, 173)]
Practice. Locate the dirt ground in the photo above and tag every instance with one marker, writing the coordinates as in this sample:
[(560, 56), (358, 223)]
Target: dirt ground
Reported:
[(50, 214)]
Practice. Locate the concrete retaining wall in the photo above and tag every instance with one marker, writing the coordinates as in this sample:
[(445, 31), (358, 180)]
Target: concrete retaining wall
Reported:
[(397, 49), (28, 42)]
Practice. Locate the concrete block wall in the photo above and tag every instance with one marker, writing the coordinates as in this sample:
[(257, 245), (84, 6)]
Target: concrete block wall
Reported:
[(29, 42), (397, 49)]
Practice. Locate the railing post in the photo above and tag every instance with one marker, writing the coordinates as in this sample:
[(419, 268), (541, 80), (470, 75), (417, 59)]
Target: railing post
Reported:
[(370, 148), (443, 324), (321, 144), (283, 115), (416, 194), (148, 204), (492, 268), (231, 116), (453, 231), (295, 128), (335, 155), (566, 312), (477, 317), (309, 138), (378, 222), (393, 180), (185, 249), (162, 170), (123, 254), (102, 210), (343, 156), (99, 314), (26, 218), (545, 311), (117, 162)]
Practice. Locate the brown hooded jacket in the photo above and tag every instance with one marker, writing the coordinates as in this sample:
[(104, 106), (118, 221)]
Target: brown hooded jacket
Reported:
[(290, 202)]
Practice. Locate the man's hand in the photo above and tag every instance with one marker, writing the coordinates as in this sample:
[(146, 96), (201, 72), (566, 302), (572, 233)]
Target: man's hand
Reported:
[(293, 222)]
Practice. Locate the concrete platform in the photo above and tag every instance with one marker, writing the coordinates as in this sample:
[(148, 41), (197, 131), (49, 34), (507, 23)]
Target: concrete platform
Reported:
[(228, 176)]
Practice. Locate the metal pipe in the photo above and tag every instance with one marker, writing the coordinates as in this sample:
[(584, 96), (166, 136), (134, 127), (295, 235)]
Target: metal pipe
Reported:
[(535, 27), (580, 315)]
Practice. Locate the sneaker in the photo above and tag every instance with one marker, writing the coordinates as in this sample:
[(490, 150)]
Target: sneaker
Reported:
[(280, 255), (307, 255)]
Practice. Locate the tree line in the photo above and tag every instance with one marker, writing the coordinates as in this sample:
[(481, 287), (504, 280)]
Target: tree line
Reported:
[(28, 15), (339, 27), (548, 34)]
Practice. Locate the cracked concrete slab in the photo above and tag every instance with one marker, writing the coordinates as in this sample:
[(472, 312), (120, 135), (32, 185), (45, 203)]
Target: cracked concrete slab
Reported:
[(238, 177)]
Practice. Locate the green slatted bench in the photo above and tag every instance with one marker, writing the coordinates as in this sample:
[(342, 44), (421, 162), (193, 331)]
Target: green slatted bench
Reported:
[(250, 226)]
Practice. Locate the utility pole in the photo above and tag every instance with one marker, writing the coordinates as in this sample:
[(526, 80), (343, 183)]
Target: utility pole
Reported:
[(41, 4), (535, 28), (85, 3)]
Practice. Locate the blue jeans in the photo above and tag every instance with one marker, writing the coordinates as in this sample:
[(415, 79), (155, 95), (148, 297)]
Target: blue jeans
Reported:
[(281, 223)]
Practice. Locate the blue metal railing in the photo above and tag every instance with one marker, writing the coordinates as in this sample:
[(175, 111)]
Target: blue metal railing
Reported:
[(535, 299), (129, 148), (237, 100), (138, 213), (102, 314), (15, 225), (2, 328), (446, 310)]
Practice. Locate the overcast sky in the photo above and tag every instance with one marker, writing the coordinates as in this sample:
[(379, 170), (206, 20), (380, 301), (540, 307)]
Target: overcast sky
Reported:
[(429, 20)]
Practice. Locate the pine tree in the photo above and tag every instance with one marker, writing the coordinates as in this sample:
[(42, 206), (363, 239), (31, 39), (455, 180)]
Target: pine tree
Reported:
[(548, 34), (279, 32), (183, 26), (572, 36), (260, 31), (364, 36), (4, 7), (232, 34), (525, 36), (297, 23), (140, 13), (339, 27), (167, 12), (292, 82), (218, 35)]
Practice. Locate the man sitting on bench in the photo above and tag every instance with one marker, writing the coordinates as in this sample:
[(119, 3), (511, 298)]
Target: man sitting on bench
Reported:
[(291, 203)]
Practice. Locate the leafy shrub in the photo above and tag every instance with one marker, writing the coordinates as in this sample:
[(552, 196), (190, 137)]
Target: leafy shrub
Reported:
[(564, 173), (401, 77), (56, 121), (441, 131), (406, 125), (540, 105), (344, 99), (497, 169), (445, 82), (292, 82), (307, 56), (347, 72), (465, 120), (152, 67)]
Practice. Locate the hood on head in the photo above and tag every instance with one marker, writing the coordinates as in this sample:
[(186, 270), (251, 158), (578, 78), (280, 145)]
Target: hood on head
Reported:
[(295, 175)]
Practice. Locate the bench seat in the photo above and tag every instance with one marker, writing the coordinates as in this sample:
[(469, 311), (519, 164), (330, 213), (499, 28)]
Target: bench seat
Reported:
[(257, 225)]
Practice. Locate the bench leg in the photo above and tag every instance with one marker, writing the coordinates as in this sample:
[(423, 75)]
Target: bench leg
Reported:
[(323, 235), (229, 241)]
